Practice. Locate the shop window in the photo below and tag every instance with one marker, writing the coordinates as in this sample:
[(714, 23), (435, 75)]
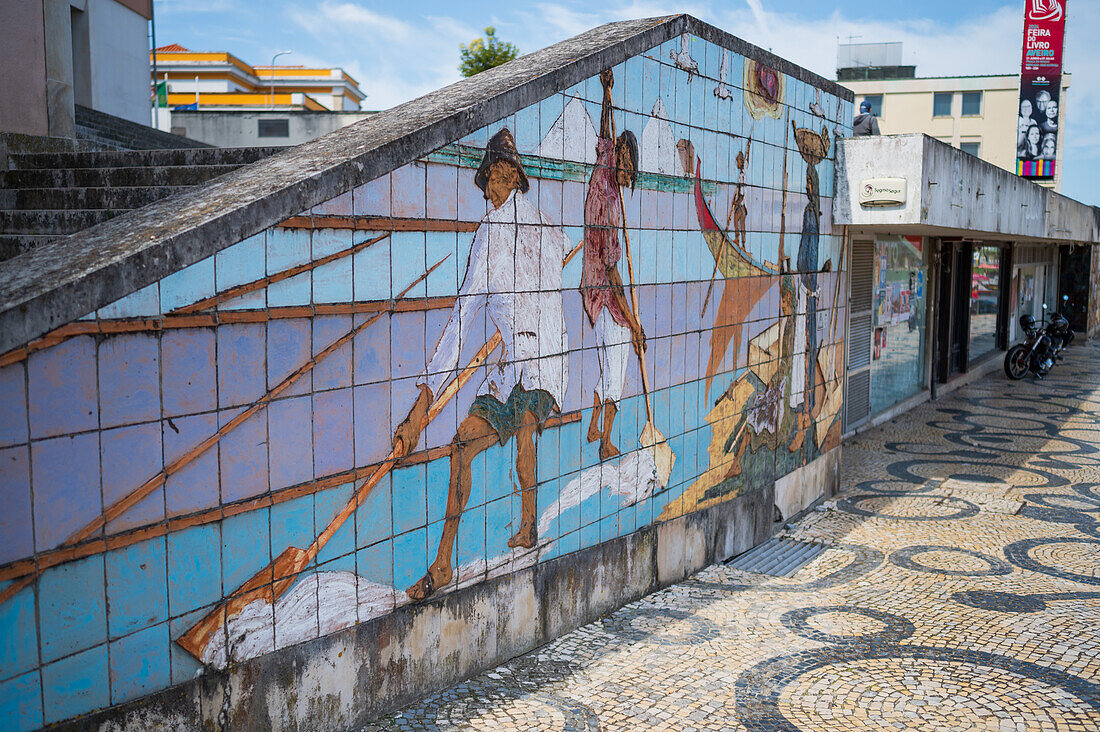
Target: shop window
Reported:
[(985, 294), (898, 337), (941, 104), (971, 104)]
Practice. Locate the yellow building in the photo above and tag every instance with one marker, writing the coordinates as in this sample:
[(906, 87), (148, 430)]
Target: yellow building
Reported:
[(977, 114), (220, 81)]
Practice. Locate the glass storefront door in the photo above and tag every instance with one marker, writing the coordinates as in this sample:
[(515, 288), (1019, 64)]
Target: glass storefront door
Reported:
[(1030, 294), (898, 335), (985, 295)]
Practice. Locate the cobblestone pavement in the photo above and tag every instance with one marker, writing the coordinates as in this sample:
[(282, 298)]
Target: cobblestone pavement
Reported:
[(961, 591)]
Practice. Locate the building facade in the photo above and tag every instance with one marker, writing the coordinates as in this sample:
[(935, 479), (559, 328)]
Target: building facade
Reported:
[(60, 53), (947, 252), (220, 81), (977, 114), (259, 127)]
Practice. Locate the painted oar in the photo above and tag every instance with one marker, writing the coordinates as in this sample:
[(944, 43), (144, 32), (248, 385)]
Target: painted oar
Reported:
[(651, 438), (271, 582), (139, 494), (663, 457)]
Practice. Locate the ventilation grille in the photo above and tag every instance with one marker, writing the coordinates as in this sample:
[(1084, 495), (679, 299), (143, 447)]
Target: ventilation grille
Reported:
[(777, 557), (1034, 255), (863, 275), (859, 341), (857, 399)]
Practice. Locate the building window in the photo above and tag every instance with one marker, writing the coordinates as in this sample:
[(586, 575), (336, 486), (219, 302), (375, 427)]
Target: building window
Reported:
[(273, 127), (971, 148), (941, 104), (972, 104), (876, 103)]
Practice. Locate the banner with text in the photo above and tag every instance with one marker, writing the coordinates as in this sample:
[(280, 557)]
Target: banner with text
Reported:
[(1040, 83)]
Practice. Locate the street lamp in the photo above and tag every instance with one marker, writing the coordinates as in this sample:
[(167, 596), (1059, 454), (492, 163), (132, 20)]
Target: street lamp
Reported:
[(280, 53)]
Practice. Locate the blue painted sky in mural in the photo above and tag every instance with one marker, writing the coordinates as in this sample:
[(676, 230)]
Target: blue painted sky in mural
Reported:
[(401, 50)]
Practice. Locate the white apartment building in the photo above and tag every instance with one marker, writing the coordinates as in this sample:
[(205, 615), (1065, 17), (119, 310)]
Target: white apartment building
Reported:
[(976, 114)]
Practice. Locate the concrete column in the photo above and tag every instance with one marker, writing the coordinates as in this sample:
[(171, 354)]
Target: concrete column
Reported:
[(59, 68), (23, 81)]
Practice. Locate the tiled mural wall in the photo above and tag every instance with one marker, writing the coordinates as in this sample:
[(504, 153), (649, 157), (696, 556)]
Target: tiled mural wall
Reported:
[(427, 381)]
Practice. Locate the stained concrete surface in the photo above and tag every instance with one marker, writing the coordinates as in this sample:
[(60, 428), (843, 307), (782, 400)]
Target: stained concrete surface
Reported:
[(961, 591)]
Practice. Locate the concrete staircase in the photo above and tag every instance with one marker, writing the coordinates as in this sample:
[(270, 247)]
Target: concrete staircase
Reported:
[(109, 132), (44, 196)]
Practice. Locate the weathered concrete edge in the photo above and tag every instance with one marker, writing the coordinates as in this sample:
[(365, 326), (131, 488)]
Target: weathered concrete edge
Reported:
[(71, 277), (1053, 203), (395, 659)]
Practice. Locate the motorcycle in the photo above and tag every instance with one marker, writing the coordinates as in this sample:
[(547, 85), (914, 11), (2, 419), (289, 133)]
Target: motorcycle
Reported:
[(1043, 345), (1060, 330)]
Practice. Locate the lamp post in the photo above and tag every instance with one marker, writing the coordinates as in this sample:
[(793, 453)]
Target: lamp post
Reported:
[(272, 85)]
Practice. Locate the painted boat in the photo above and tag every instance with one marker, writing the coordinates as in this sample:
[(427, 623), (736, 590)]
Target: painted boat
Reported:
[(732, 260)]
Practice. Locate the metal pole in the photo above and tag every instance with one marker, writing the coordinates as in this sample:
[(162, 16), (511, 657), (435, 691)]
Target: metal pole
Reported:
[(933, 312), (156, 97), (272, 84)]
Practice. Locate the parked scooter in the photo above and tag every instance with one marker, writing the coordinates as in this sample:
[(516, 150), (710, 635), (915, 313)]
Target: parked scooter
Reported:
[(1043, 345)]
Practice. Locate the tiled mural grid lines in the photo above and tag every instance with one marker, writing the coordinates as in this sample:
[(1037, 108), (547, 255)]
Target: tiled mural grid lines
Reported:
[(672, 280)]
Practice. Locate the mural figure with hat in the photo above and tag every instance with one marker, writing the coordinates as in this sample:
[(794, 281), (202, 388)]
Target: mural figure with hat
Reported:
[(813, 148), (605, 302), (512, 283)]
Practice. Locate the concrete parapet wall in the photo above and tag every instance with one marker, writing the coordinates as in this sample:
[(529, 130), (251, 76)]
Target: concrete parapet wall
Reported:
[(230, 128), (373, 414), (952, 192)]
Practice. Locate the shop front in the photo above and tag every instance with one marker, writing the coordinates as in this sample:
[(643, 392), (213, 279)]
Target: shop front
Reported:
[(946, 254), (1033, 285), (887, 325), (897, 358), (971, 322)]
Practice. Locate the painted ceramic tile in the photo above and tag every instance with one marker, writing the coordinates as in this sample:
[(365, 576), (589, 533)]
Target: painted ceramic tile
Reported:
[(618, 305)]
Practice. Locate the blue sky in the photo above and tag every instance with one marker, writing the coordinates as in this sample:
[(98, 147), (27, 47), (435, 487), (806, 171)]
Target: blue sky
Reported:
[(399, 51)]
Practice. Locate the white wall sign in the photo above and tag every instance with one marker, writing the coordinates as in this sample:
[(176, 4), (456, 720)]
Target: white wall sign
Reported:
[(882, 192)]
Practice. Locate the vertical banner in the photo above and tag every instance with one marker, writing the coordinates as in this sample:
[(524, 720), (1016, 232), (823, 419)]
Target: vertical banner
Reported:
[(1040, 83)]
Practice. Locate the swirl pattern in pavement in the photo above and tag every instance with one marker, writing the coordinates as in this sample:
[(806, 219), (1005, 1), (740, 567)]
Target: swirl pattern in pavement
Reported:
[(930, 607)]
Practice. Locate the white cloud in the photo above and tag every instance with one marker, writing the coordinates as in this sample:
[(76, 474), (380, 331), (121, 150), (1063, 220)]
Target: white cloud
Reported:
[(400, 58), (394, 59), (982, 44)]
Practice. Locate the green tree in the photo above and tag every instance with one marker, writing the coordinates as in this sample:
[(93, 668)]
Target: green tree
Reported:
[(485, 53)]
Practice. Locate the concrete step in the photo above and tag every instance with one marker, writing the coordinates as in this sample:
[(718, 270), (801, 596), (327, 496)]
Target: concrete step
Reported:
[(164, 175), (12, 245), (52, 222), (91, 198), (142, 158), (130, 135), (123, 141), (76, 198)]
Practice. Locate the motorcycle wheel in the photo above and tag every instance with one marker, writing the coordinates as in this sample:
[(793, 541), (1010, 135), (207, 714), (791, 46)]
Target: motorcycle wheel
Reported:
[(1016, 362)]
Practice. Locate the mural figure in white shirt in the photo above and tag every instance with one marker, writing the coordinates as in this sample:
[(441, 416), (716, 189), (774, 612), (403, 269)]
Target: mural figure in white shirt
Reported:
[(513, 283)]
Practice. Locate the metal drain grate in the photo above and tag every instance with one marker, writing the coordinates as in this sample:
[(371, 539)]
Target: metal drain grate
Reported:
[(777, 557)]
